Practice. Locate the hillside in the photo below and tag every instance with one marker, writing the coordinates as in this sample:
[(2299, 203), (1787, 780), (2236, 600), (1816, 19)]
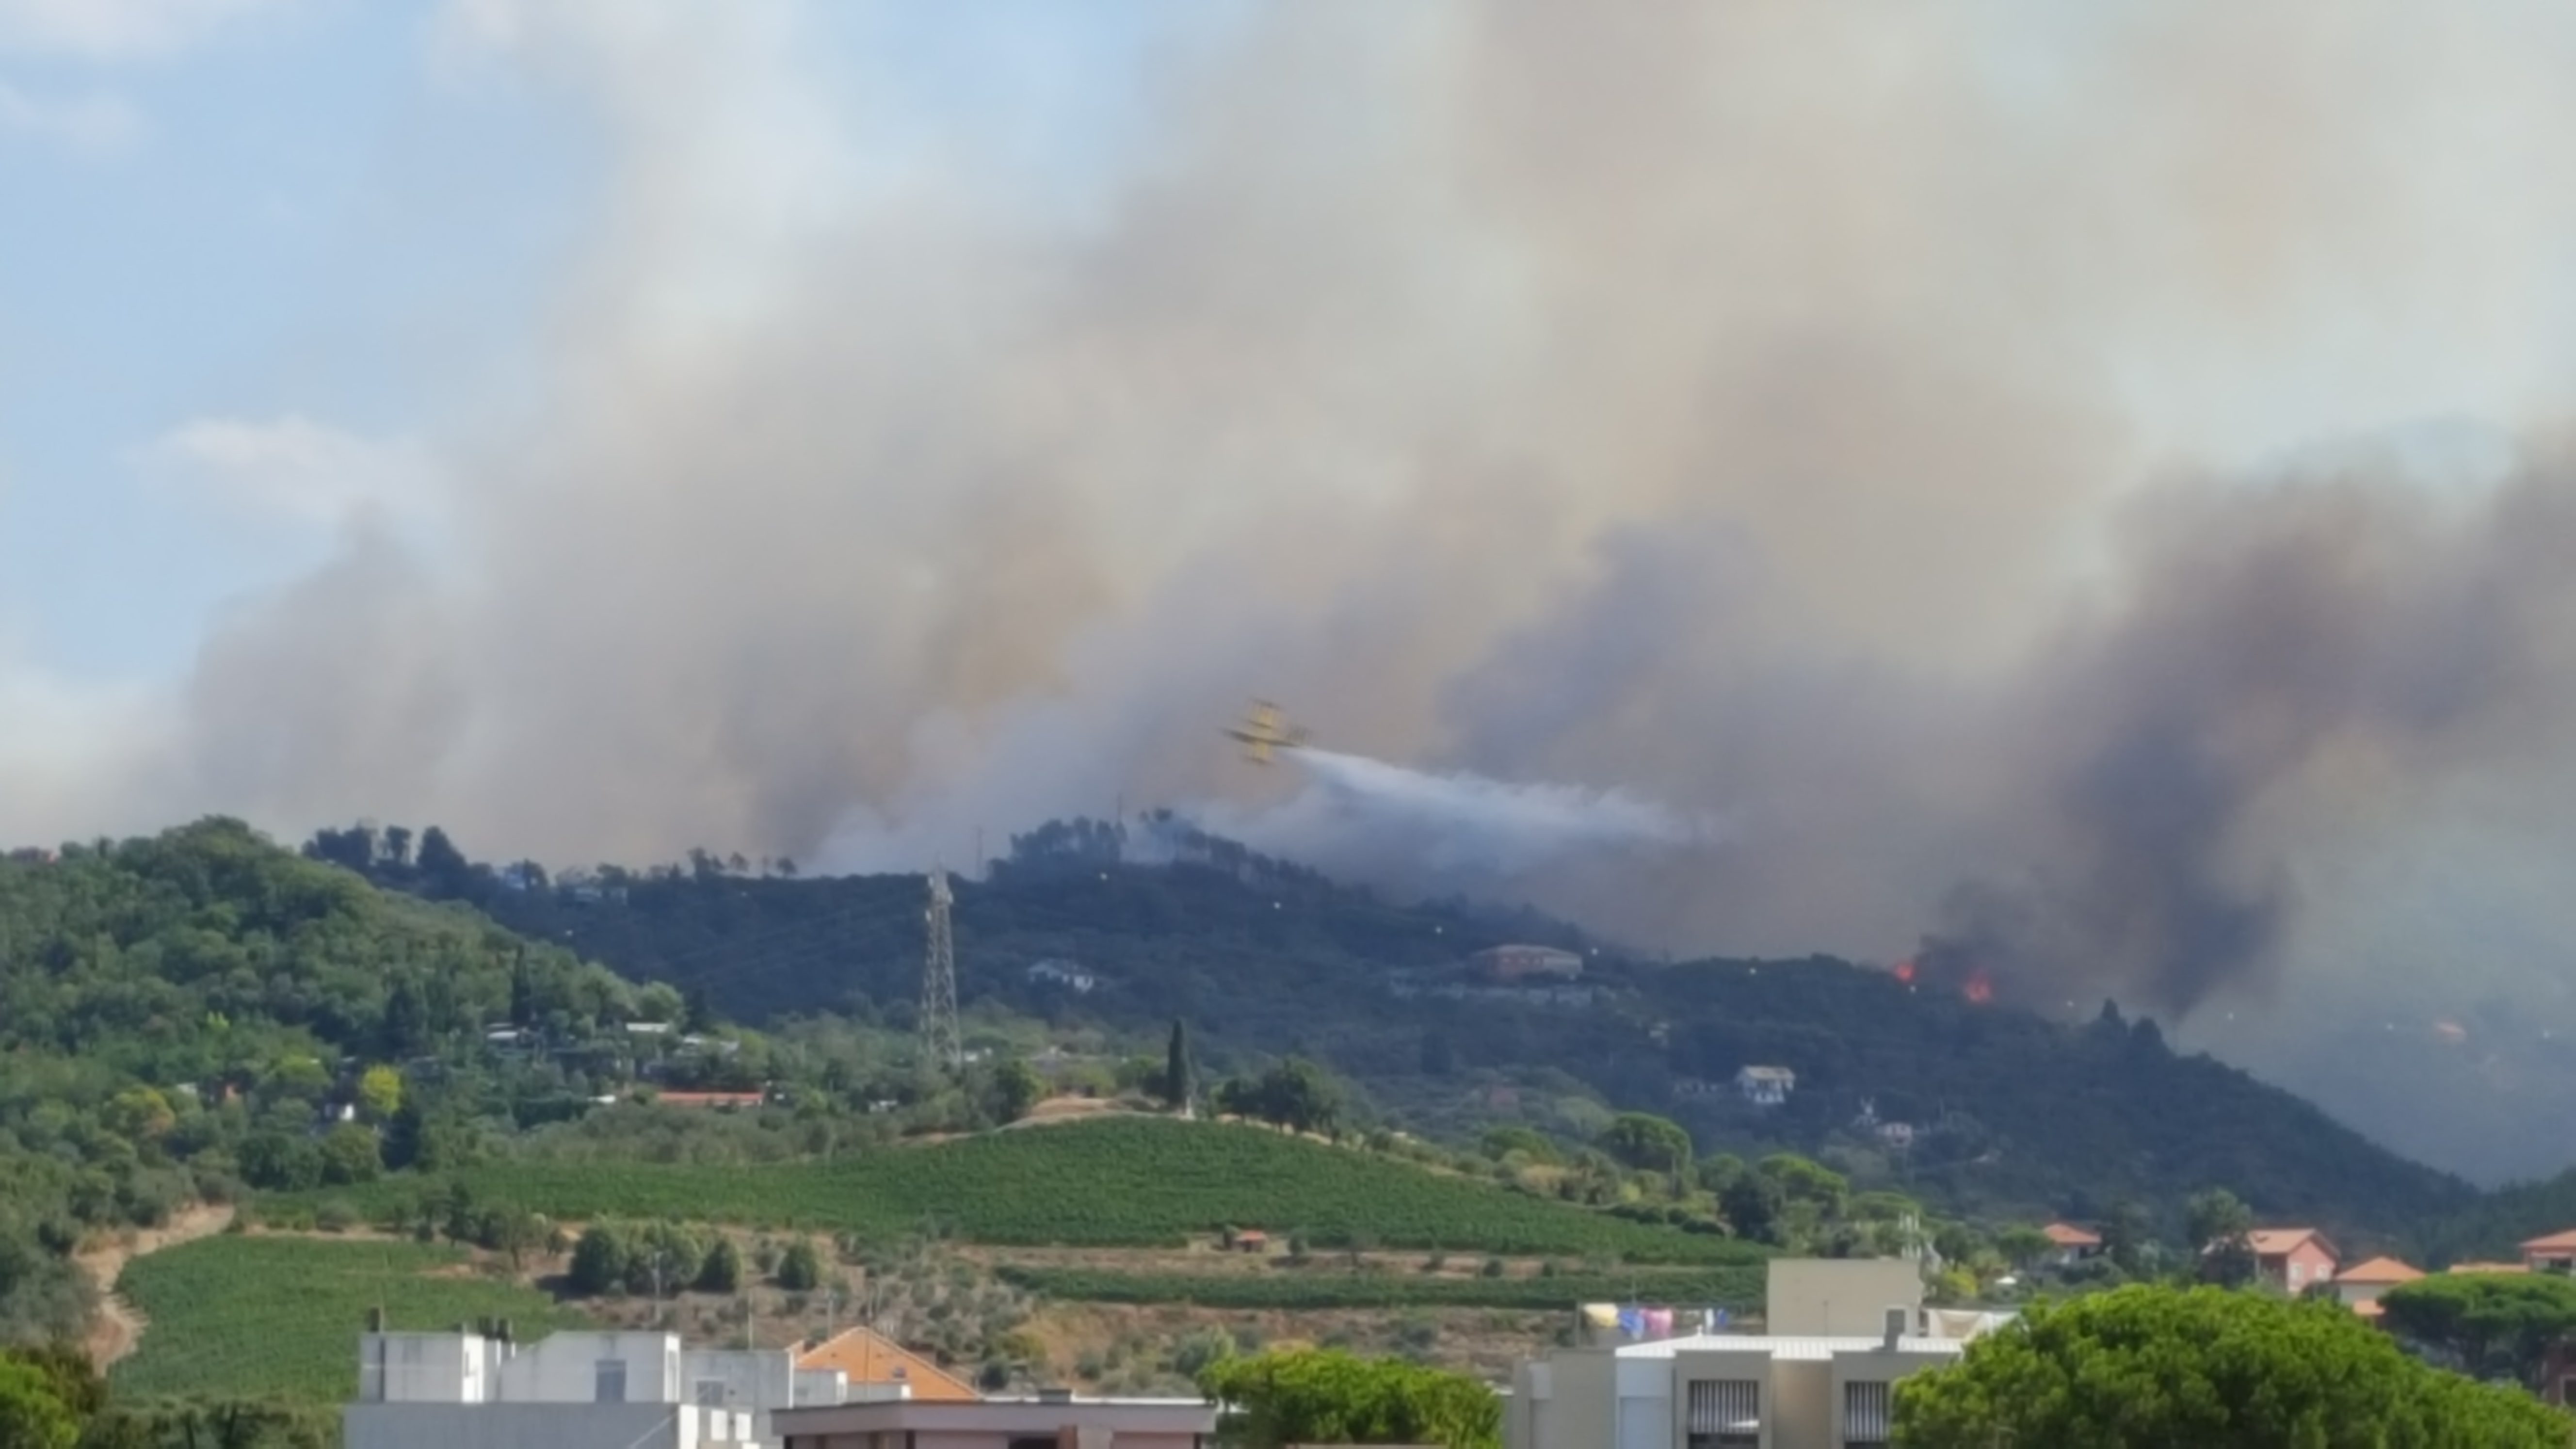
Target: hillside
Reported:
[(168, 1005), (1125, 1182), (2012, 1114)]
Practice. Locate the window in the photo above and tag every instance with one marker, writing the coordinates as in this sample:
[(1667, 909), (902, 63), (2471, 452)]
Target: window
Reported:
[(1865, 1414), (711, 1393), (1725, 1414), (609, 1382)]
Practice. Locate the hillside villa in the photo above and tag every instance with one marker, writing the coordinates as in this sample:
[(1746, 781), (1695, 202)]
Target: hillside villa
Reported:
[(1766, 1086), (2293, 1260), (876, 1367), (2555, 1253), (2070, 1244), (2361, 1285)]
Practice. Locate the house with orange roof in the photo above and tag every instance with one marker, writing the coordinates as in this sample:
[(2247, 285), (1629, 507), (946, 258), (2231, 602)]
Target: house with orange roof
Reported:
[(878, 1368), (2487, 1268), (2360, 1285), (2555, 1253), (2293, 1259), (2073, 1244)]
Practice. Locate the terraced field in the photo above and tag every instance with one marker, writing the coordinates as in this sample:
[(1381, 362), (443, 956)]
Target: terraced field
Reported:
[(243, 1317), (1122, 1182)]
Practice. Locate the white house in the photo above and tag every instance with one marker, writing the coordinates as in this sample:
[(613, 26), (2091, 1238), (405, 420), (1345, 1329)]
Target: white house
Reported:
[(461, 1390), (1816, 1380), (1766, 1086), (1055, 972)]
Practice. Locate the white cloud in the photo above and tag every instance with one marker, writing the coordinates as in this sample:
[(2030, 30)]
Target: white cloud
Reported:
[(95, 123), (299, 470), (116, 29)]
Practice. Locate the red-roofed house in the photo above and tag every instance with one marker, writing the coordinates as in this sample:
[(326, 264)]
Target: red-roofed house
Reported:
[(2553, 1254), (2292, 1259), (2072, 1243), (2360, 1285)]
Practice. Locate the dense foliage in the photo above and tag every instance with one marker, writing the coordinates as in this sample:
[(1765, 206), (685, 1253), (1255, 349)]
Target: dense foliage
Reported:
[(241, 1316), (2008, 1114), (2148, 1367), (1322, 1396), (1115, 1182), (184, 1013), (2493, 1325)]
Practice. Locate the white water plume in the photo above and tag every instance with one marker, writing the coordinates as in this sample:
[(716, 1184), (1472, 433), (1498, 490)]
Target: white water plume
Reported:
[(1431, 826)]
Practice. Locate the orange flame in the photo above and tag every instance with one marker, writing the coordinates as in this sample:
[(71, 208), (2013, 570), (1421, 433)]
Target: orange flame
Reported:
[(1979, 989), (1905, 970)]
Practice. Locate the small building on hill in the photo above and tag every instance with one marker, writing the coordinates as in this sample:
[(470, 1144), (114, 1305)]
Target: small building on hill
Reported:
[(1526, 963), (1766, 1086), (2070, 1244), (2555, 1253), (2361, 1285), (2293, 1260)]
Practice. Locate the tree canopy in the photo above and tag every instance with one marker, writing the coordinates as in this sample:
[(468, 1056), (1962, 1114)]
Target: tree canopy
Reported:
[(2210, 1368), (1325, 1396), (2494, 1325)]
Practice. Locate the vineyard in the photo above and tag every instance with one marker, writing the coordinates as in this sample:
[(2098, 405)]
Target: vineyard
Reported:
[(1739, 1289), (1125, 1182), (240, 1317)]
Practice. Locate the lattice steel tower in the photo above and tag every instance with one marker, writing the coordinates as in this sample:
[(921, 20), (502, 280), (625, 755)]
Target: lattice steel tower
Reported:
[(941, 1044)]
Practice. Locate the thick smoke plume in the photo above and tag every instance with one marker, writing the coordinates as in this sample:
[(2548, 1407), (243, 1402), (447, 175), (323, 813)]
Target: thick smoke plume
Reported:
[(1888, 432)]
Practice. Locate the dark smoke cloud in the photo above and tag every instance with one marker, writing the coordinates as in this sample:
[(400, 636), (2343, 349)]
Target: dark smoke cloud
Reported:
[(1795, 417)]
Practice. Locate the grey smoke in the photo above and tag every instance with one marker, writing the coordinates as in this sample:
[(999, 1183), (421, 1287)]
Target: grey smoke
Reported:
[(1853, 427)]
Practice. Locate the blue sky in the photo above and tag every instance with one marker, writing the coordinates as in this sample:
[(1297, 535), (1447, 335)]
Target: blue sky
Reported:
[(315, 209)]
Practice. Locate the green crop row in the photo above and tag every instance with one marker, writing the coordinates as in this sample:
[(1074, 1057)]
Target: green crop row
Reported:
[(243, 1317), (1128, 1182), (1731, 1288)]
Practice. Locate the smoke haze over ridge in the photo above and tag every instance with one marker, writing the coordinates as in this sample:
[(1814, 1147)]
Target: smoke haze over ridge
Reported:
[(2084, 486)]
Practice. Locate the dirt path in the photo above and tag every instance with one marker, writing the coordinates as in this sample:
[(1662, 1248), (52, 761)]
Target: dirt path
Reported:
[(118, 1327)]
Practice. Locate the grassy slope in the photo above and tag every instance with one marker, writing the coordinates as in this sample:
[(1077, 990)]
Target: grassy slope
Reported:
[(1133, 1182), (256, 1317), (1738, 1288)]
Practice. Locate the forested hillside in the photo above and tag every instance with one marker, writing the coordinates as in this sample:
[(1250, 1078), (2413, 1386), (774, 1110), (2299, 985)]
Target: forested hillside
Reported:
[(179, 1012), (2008, 1113)]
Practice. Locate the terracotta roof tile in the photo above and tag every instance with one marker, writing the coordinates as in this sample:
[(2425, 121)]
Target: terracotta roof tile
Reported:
[(2380, 1270), (2554, 1243), (869, 1357), (2067, 1236)]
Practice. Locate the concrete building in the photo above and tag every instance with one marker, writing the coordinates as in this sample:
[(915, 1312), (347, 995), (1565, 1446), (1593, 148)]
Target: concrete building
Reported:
[(1841, 1332), (2361, 1285), (1050, 1421), (2293, 1260), (1766, 1086), (464, 1390)]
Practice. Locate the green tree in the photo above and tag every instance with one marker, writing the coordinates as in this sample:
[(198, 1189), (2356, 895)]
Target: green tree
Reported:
[(1179, 1081), (1016, 1088), (2126, 1239), (2494, 1325), (2151, 1366), (380, 1093), (659, 1002), (2023, 1245), (349, 1154), (1295, 1094), (600, 1260), (721, 1272), (800, 1268), (1648, 1143), (32, 1412), (1325, 1396), (2218, 1227)]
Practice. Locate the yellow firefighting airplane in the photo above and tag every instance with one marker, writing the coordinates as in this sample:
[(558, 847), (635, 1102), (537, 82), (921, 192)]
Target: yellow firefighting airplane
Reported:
[(1265, 730)]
